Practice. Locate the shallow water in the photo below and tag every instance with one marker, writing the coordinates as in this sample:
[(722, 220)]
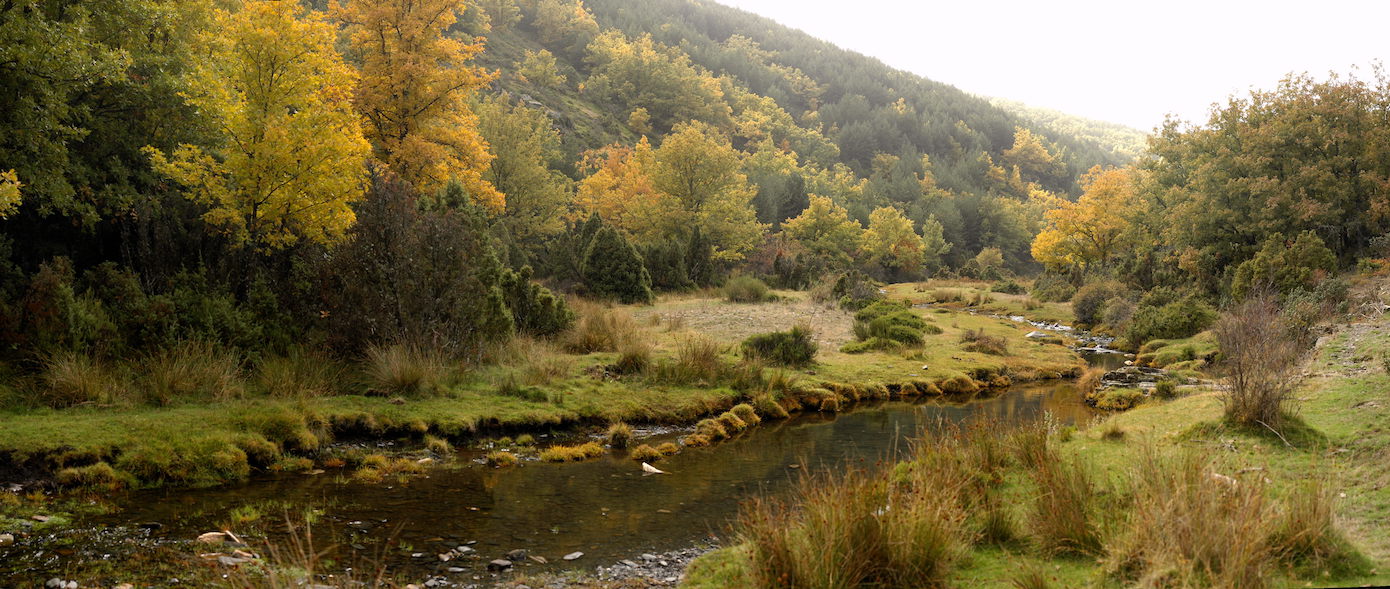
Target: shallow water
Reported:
[(606, 508)]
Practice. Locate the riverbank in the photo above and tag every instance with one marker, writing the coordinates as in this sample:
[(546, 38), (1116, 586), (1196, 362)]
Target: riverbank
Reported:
[(1335, 446), (541, 387)]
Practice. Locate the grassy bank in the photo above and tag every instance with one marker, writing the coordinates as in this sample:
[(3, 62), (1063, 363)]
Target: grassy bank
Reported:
[(672, 362), (1166, 494)]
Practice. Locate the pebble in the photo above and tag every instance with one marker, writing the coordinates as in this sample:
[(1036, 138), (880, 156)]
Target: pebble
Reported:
[(629, 563), (500, 564), (231, 561), (40, 518), (457, 569), (518, 554), (649, 556), (6, 539), (574, 555)]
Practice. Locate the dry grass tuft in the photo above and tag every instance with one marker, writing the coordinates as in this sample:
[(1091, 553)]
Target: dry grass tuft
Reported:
[(300, 373), (191, 370), (69, 379), (405, 370), (599, 329), (619, 435), (572, 453)]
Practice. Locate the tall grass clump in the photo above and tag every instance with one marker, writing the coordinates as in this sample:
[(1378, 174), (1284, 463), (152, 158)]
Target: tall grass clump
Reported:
[(69, 379), (619, 435), (976, 340), (401, 369), (537, 361), (852, 530), (1064, 515), (1305, 535), (599, 329), (745, 289), (1260, 362), (697, 361), (1187, 528), (795, 348), (191, 370), (572, 453), (300, 373)]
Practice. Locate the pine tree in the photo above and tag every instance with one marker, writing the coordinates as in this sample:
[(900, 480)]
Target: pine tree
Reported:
[(613, 268)]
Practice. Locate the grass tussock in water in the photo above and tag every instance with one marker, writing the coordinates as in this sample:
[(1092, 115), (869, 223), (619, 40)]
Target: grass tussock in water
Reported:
[(619, 435), (572, 453), (501, 459)]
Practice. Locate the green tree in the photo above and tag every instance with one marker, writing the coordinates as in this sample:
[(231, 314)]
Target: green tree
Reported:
[(1284, 265), (613, 269), (826, 229), (522, 143), (699, 168), (538, 67), (891, 243)]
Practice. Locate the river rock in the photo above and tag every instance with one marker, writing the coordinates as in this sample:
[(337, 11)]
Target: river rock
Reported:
[(6, 539), (54, 583), (500, 564), (518, 554), (231, 561), (573, 556), (212, 537)]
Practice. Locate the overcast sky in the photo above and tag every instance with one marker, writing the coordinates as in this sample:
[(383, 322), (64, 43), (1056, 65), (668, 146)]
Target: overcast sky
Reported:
[(1114, 60)]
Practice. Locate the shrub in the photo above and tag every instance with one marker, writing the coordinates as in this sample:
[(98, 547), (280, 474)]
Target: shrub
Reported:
[(72, 378), (783, 348), (300, 373), (745, 289), (1116, 399), (852, 290), (1259, 362), (612, 268), (400, 369), (525, 440), (976, 340), (886, 325), (1163, 314), (619, 435), (697, 361), (634, 357), (99, 476), (191, 370), (1118, 311), (1284, 266), (408, 274), (1165, 389), (1008, 287), (1088, 304), (769, 408), (696, 440), (572, 453), (645, 453), (510, 388), (535, 310), (732, 424), (1051, 288)]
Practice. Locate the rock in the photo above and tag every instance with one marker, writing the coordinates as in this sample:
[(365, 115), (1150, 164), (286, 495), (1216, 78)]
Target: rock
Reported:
[(457, 569), (40, 518), (574, 555), (446, 556), (518, 554), (212, 538), (540, 559), (500, 564), (124, 586), (1037, 335), (230, 561), (462, 550), (54, 583), (647, 556), (6, 539), (630, 563), (70, 585)]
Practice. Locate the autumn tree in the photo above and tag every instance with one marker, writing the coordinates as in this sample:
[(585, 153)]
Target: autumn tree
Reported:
[(9, 193), (620, 189), (291, 154), (522, 144), (1086, 233), (891, 242), (565, 26), (414, 93), (661, 79), (700, 169), (1032, 159), (538, 67), (826, 230)]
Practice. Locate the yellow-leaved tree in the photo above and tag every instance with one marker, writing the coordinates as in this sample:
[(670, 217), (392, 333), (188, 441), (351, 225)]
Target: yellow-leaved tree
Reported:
[(891, 242), (826, 229), (1085, 233), (697, 166), (9, 193), (414, 93), (620, 190), (291, 155)]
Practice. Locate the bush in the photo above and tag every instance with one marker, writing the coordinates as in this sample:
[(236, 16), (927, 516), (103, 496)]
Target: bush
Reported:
[(782, 348), (1284, 266), (1165, 389), (613, 269), (886, 325), (191, 370), (404, 370), (1163, 314), (1008, 287), (634, 357), (412, 275), (1051, 288), (1259, 361), (535, 310), (746, 289), (501, 459), (746, 413), (1118, 312), (852, 290), (1088, 304)]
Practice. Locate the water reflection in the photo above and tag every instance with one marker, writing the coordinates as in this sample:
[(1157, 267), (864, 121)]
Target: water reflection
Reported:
[(605, 508)]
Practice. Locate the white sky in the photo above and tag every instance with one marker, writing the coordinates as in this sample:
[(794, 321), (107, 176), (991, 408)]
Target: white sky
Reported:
[(1114, 60)]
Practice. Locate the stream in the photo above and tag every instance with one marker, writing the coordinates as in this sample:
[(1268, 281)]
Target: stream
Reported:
[(606, 508)]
